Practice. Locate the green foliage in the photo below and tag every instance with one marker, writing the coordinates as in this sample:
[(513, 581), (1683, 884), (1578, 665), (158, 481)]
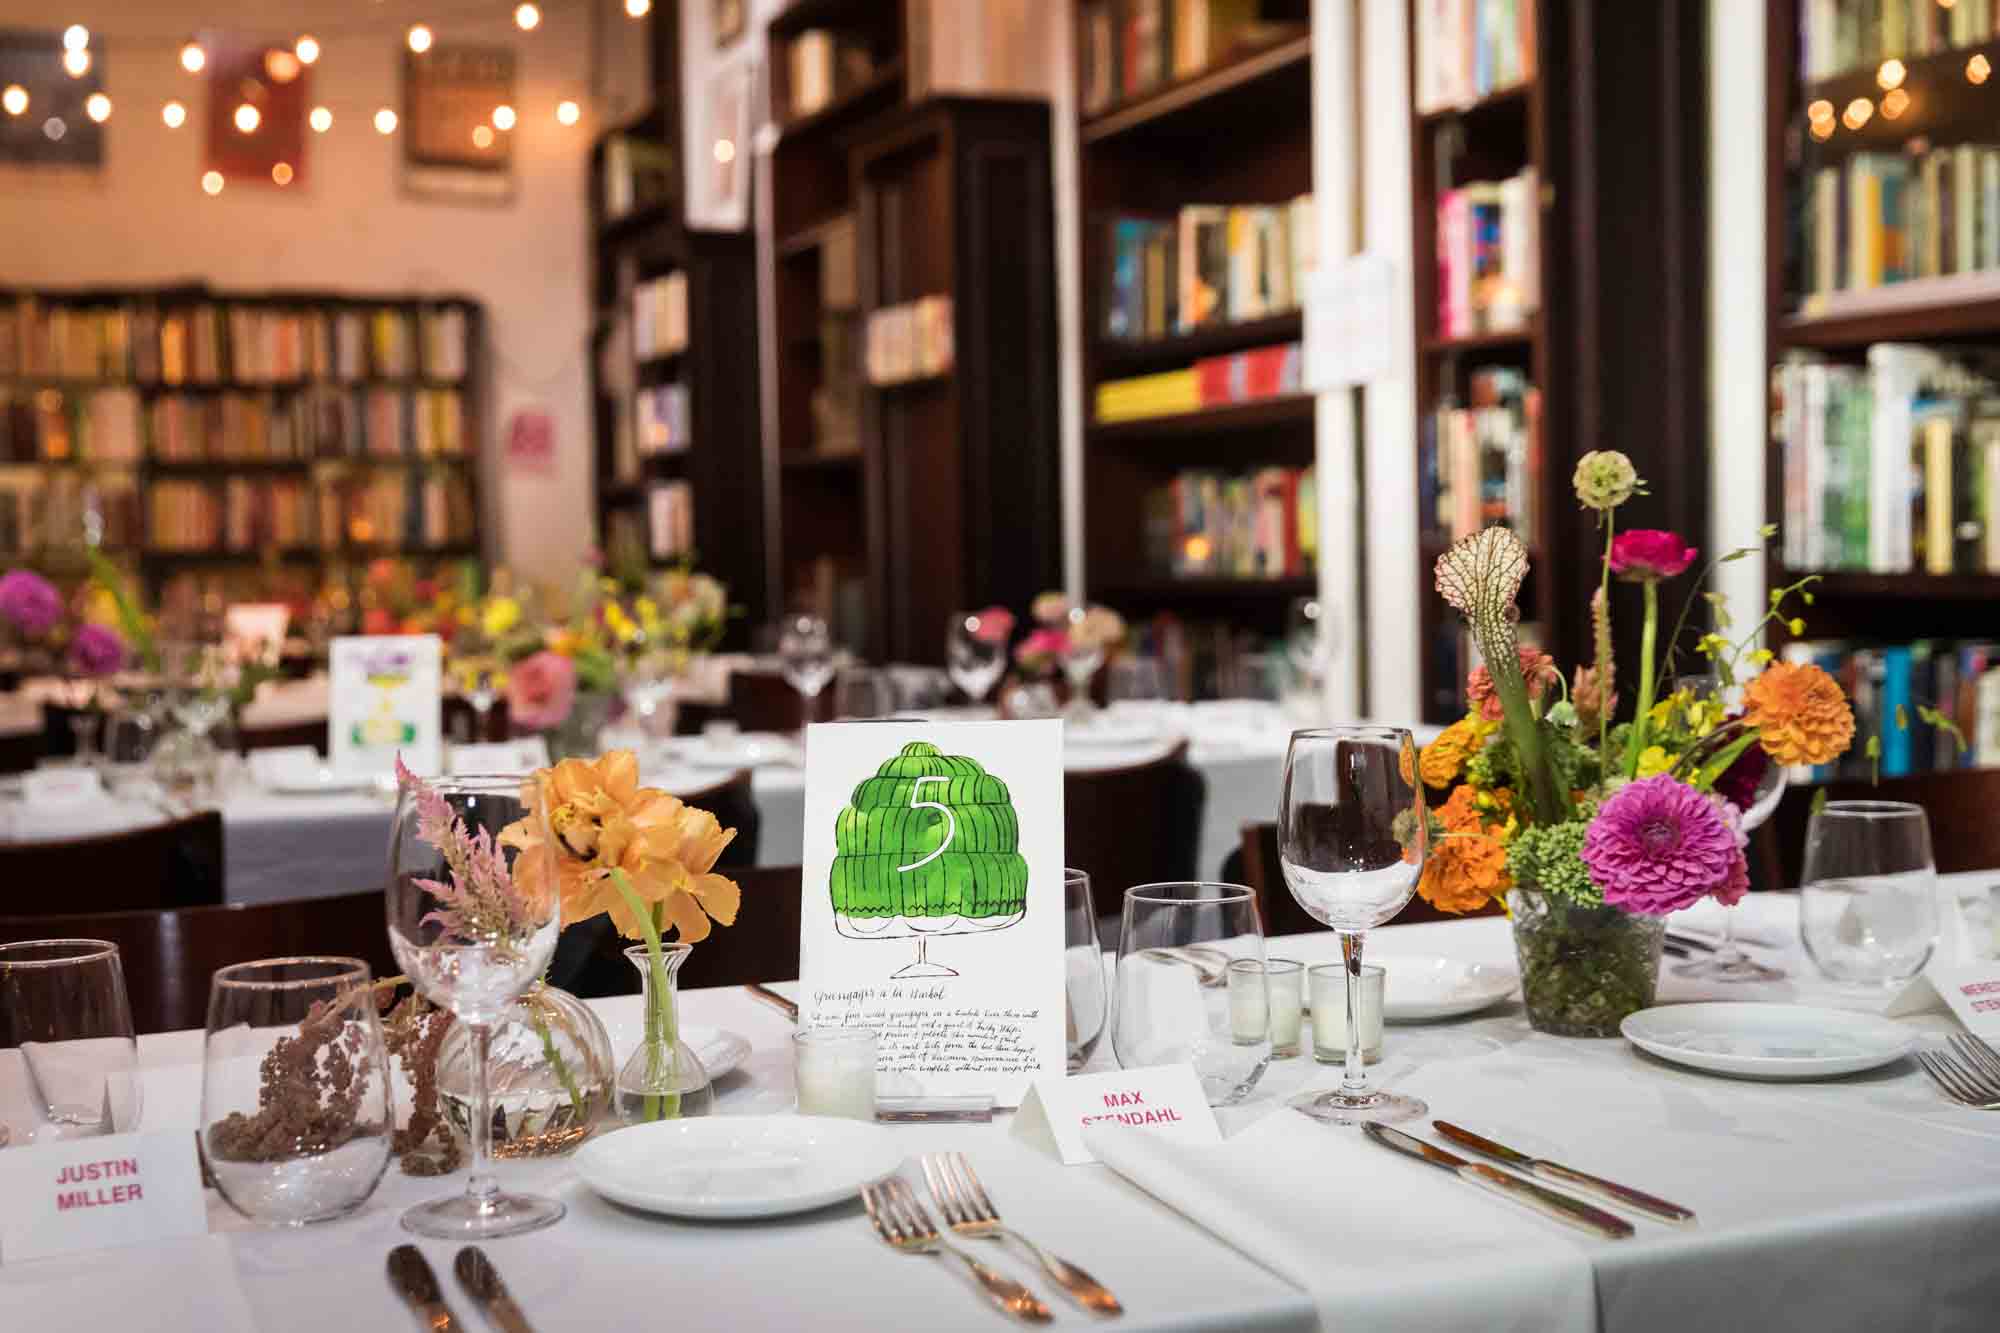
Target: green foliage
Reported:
[(1549, 857), (1943, 724)]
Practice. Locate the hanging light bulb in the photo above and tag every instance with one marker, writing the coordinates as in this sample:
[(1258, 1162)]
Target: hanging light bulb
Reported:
[(15, 100), (527, 17), (321, 120), (568, 112), (174, 114), (306, 49), (248, 118), (638, 9), (76, 37), (211, 182), (385, 121), (192, 56), (503, 117), (420, 38), (77, 62)]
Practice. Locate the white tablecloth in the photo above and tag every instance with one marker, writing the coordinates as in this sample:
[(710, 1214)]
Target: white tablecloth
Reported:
[(1863, 1203)]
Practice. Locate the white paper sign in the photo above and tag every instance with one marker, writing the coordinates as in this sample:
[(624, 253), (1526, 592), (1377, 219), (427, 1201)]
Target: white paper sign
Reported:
[(933, 907), (1350, 322), (522, 756), (89, 1194), (60, 788), (385, 698), (1166, 1100), (1931, 989)]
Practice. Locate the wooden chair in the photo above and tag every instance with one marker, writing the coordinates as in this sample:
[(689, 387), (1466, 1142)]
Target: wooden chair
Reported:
[(176, 864), (311, 732), (1965, 833), (20, 752), (765, 701), (461, 720), (1135, 825), (168, 957), (1258, 862)]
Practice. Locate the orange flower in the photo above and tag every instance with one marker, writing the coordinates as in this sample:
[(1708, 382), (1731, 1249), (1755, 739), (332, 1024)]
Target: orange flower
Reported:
[(1460, 813), (1444, 757), (602, 820), (1799, 712), (1463, 873)]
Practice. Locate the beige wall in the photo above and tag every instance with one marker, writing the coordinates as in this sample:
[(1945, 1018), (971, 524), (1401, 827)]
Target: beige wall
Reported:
[(144, 218)]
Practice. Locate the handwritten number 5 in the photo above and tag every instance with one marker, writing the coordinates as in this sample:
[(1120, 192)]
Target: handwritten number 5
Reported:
[(951, 822)]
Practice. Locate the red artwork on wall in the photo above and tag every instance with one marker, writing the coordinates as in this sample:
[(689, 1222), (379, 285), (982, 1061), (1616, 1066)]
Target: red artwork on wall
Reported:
[(258, 97)]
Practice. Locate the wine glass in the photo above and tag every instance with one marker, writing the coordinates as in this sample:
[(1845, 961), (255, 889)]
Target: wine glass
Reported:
[(1351, 840), (1171, 1004), (805, 649), (863, 692), (1729, 963), (1081, 657), (975, 656), (1084, 1000), (1136, 680), (1868, 913), (473, 930), (1308, 640), (63, 1002)]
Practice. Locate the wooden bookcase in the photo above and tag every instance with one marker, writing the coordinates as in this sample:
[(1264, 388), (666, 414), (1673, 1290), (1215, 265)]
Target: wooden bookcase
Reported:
[(1236, 132)]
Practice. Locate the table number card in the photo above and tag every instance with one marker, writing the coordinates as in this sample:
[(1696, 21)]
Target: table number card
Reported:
[(384, 699), (90, 1194), (933, 906), (1064, 1112)]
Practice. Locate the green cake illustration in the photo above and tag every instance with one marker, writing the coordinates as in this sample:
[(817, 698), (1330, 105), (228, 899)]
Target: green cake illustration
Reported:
[(927, 846)]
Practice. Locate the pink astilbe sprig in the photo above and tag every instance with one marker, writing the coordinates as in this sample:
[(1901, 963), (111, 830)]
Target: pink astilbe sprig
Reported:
[(479, 901)]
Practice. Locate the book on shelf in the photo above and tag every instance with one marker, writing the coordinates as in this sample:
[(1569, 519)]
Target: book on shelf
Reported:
[(824, 64), (1480, 462), (1489, 256), (1131, 47), (1098, 60), (638, 174), (910, 341), (1259, 525), (1836, 36), (662, 420), (1883, 218), (1889, 685), (57, 507), (1209, 265), (47, 424), (670, 521), (1214, 381), (660, 316), (1889, 468), (1469, 49)]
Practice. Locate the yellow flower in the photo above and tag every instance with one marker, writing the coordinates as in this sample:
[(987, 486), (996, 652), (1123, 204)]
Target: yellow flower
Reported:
[(501, 615), (1653, 761), (618, 622), (602, 820)]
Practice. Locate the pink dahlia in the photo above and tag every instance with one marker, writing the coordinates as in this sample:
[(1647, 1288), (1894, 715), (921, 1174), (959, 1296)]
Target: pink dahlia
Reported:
[(29, 602), (540, 691), (1659, 845), (1646, 555), (96, 650)]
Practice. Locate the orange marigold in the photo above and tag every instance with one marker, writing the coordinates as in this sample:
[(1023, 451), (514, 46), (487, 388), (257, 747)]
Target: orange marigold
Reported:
[(1461, 813), (1444, 757), (1463, 873), (1800, 714)]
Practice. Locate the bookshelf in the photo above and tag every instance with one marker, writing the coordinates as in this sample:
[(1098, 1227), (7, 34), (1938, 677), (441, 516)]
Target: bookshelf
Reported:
[(239, 443), (1195, 174), (1883, 304)]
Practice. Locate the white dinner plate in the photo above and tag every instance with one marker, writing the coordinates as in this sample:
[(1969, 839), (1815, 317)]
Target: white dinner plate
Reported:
[(322, 782), (747, 749), (1770, 1041), (1423, 986), (738, 1166)]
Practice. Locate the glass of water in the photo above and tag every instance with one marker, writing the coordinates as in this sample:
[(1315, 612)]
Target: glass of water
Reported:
[(1868, 913), (805, 648), (1085, 1001), (63, 1002), (976, 653), (1170, 1005)]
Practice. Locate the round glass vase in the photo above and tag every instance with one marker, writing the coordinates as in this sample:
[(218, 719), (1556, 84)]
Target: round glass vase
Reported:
[(1583, 969), (550, 1069), (664, 1078), (575, 737)]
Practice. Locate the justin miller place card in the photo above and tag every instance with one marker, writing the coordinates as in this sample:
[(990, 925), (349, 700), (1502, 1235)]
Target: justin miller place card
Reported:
[(87, 1194), (933, 907)]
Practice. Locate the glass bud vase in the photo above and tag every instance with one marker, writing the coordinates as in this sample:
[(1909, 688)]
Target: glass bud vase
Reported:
[(664, 1078), (1583, 969), (551, 1070)]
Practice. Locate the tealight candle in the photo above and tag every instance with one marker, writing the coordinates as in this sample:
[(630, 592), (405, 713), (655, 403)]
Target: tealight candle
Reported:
[(1249, 1002), (834, 1068), (1329, 1003), (1285, 979)]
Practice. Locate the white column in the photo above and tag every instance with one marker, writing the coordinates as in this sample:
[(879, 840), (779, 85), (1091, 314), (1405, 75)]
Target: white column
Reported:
[(1738, 378), (1069, 292), (1334, 145)]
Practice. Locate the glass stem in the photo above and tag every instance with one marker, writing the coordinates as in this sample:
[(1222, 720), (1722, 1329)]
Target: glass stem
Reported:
[(481, 1188), (1354, 1075), (1725, 949)]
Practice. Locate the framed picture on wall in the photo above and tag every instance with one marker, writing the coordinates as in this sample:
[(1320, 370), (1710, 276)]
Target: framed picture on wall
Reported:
[(727, 20), (255, 122), (459, 116), (45, 118)]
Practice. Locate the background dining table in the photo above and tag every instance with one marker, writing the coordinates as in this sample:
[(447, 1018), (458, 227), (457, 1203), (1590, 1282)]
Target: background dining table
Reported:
[(1865, 1202)]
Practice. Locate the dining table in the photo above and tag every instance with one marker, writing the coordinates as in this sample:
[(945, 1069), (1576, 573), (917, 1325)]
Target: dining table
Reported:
[(1864, 1202)]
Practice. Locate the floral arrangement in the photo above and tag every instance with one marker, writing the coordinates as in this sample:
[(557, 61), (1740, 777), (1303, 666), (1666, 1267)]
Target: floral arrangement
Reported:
[(1064, 631), (86, 645)]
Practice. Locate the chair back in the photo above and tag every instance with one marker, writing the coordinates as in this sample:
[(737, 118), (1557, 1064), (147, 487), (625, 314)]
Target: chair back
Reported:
[(765, 701), (461, 721), (310, 732), (763, 945), (169, 957), (176, 864), (1282, 913), (20, 751), (1135, 825), (1960, 802)]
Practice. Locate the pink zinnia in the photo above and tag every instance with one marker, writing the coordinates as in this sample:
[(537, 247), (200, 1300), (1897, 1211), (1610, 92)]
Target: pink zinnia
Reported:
[(1536, 667), (30, 602), (96, 650), (1647, 555), (993, 625), (540, 690), (1659, 845)]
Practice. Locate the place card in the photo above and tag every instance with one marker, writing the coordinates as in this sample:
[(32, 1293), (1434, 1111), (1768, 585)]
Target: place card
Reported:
[(521, 756), (94, 1193), (385, 698), (1954, 965), (60, 788), (1972, 990), (933, 908), (1166, 1100)]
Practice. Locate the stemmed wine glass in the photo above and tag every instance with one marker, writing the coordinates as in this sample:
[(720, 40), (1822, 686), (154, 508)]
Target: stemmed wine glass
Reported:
[(975, 657), (473, 917), (1080, 661), (805, 649), (1351, 840)]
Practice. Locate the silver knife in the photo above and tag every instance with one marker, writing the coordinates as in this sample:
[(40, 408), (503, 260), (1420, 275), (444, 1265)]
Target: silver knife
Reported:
[(477, 1275), (410, 1274), (1543, 1200), (1651, 1205), (789, 1008)]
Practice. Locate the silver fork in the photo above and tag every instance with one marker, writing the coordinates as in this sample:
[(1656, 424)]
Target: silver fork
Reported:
[(1977, 1053), (902, 1222), (968, 1212), (1958, 1082)]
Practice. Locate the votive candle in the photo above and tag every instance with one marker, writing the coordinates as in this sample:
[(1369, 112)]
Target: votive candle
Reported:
[(1284, 980), (834, 1068), (1328, 982), (1249, 1002)]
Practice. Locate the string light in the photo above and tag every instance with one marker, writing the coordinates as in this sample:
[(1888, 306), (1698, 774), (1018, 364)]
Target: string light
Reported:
[(1822, 130), (1895, 102), (193, 57), (420, 38), (1890, 75), (281, 172), (281, 65), (482, 136), (503, 117), (306, 49), (1857, 113), (1978, 68), (385, 121), (1819, 111), (76, 62), (54, 129), (725, 151), (248, 118), (527, 17), (98, 107), (321, 120), (75, 37), (568, 113), (174, 114), (638, 9), (211, 182), (15, 100)]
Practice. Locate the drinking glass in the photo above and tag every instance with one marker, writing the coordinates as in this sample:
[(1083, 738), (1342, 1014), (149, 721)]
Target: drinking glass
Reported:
[(1083, 971), (1868, 913), (1351, 840), (1308, 640), (805, 649), (1170, 1004), (863, 692), (1136, 680), (296, 1110), (975, 656), (63, 1002), (1729, 963), (1080, 661), (471, 948)]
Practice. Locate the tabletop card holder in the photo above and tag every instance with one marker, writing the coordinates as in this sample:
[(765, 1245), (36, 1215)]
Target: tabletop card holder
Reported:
[(385, 698)]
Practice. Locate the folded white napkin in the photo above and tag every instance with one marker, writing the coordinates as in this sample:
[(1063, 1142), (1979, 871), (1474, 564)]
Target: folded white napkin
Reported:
[(1349, 1222), (180, 1284), (284, 702)]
